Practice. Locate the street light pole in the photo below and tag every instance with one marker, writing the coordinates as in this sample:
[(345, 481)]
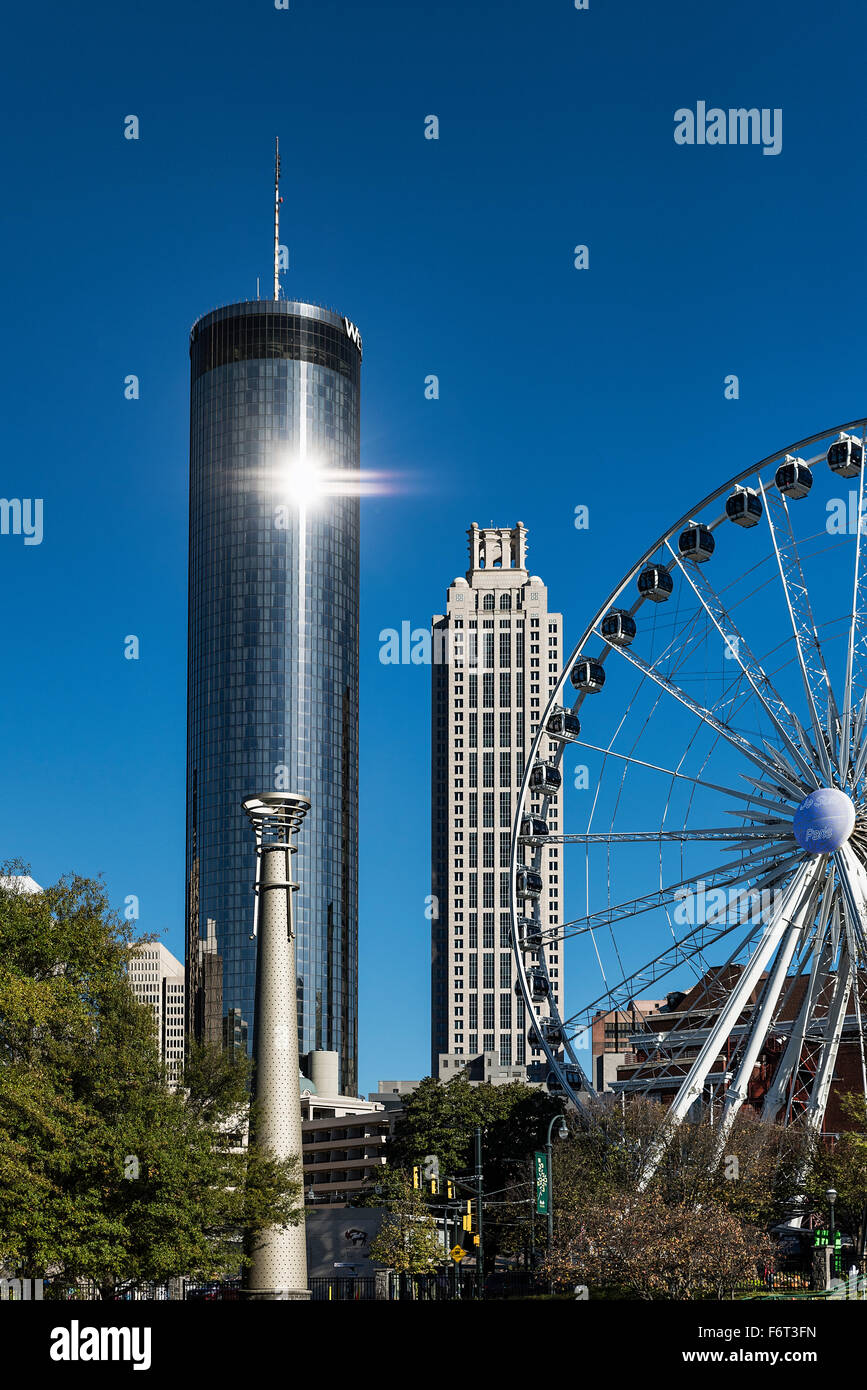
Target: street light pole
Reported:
[(480, 1258), (562, 1133), (831, 1194)]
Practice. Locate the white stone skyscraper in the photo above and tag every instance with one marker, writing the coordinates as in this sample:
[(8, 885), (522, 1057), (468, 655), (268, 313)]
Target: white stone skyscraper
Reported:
[(496, 655), (158, 979)]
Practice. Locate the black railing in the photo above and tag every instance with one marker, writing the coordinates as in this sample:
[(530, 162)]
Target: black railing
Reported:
[(445, 1285)]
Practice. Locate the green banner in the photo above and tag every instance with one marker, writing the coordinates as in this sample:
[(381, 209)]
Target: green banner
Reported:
[(542, 1184)]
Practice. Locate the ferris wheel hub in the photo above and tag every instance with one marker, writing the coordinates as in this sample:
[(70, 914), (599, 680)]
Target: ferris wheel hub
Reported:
[(824, 821)]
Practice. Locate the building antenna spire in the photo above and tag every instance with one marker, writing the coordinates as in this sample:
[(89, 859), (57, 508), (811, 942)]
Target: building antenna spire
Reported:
[(277, 201)]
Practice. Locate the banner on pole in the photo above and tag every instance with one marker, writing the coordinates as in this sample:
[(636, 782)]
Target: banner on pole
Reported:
[(542, 1184)]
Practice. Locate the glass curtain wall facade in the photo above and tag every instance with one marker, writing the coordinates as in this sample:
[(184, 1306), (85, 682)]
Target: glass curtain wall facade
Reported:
[(273, 655)]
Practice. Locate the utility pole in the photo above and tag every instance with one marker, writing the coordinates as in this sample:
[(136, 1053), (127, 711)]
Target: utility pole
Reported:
[(480, 1258)]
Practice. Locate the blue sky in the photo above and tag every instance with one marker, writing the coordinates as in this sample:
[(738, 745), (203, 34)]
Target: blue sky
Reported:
[(454, 257)]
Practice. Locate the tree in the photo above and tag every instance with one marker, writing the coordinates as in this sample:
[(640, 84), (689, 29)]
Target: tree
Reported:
[(844, 1167), (106, 1173), (757, 1176), (441, 1119), (642, 1247), (407, 1241)]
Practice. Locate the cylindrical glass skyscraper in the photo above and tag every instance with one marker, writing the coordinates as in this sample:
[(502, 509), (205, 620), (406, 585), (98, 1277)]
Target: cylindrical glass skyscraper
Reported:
[(273, 655)]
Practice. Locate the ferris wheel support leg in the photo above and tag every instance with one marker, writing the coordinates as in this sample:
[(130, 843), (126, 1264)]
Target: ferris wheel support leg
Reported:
[(833, 1030), (734, 1006), (853, 881), (785, 1072), (761, 1021)]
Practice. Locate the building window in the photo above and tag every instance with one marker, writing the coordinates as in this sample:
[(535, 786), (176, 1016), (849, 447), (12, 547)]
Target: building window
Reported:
[(505, 1012)]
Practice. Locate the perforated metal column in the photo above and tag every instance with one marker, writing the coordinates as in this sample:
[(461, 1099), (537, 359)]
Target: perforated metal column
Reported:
[(279, 1268)]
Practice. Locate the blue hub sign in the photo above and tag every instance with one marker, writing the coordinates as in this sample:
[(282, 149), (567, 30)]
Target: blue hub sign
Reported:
[(824, 821)]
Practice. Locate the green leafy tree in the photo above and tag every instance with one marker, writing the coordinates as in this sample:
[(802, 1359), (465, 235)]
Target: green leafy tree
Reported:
[(408, 1241), (106, 1173), (756, 1178), (441, 1119), (843, 1166), (640, 1246)]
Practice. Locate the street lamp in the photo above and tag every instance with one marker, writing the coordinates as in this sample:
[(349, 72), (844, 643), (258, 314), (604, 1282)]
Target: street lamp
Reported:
[(831, 1195), (562, 1133)]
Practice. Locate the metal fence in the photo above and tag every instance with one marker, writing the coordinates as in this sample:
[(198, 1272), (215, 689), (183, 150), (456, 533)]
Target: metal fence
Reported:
[(452, 1285)]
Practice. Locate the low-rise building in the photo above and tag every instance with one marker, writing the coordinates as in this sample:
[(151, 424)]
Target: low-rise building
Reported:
[(157, 979), (664, 1046)]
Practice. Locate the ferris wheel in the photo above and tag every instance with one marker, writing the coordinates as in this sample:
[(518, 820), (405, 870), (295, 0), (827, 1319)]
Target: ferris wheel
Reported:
[(702, 760)]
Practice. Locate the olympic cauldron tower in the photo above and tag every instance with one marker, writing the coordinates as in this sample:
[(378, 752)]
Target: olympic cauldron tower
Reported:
[(273, 656)]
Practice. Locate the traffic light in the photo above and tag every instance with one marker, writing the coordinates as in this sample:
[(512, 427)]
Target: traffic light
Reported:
[(467, 1223), (416, 1177), (434, 1187), (450, 1189)]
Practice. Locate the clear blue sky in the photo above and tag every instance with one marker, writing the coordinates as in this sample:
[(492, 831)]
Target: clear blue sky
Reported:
[(454, 257)]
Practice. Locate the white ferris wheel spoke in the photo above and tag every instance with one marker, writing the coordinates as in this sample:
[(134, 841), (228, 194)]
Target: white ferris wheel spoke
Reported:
[(730, 735), (780, 830), (719, 876), (785, 723), (681, 951), (684, 777), (811, 661), (855, 664)]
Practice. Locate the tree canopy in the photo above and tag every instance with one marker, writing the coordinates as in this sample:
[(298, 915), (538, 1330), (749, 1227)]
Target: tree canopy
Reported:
[(106, 1173)]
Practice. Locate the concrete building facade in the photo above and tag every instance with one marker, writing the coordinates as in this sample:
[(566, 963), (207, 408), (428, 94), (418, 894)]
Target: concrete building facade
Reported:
[(496, 655), (158, 980)]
